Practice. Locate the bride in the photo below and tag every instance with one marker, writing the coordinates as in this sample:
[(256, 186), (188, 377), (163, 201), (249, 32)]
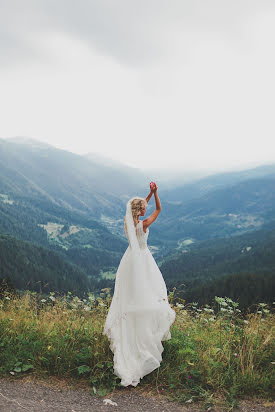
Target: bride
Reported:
[(140, 316)]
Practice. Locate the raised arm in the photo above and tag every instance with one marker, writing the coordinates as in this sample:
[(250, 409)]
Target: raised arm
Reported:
[(149, 196), (147, 222)]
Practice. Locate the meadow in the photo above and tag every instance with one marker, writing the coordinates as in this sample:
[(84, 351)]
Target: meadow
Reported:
[(217, 355)]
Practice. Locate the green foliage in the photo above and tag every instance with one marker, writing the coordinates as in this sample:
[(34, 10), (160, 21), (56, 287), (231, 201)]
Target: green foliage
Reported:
[(246, 288), (214, 352)]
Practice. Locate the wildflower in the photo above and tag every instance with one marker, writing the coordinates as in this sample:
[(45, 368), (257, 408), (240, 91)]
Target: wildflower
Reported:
[(236, 355), (179, 305), (189, 376)]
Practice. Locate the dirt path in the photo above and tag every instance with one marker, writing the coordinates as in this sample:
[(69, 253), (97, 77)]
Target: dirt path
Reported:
[(57, 396)]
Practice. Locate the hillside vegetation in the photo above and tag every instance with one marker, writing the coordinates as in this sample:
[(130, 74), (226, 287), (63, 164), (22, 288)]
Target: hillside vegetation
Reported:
[(73, 207), (216, 355), (199, 270)]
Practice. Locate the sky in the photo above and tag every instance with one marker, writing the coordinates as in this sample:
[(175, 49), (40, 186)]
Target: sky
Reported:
[(183, 84)]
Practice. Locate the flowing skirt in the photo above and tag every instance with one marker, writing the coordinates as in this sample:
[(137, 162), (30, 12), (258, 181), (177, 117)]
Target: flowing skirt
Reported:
[(139, 318)]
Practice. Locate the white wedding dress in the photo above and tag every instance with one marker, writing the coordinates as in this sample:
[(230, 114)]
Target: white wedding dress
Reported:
[(139, 317)]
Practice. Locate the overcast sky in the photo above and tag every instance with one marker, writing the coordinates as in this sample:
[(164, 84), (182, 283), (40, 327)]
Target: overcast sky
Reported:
[(152, 83)]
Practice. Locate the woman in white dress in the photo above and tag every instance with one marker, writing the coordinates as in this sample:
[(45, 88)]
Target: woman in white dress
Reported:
[(140, 316)]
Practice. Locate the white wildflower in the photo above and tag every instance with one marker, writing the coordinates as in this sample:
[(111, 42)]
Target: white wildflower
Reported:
[(179, 305)]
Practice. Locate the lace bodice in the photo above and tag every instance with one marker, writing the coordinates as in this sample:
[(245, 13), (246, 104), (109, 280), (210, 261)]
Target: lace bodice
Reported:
[(141, 236)]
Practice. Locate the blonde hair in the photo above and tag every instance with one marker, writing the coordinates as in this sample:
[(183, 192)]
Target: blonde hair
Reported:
[(136, 206)]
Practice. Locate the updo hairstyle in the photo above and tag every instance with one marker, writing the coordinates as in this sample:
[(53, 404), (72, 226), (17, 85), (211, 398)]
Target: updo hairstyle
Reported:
[(136, 206)]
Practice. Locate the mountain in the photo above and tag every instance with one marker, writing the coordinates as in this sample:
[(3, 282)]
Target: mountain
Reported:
[(242, 207), (42, 200), (66, 179), (74, 205), (36, 268), (248, 253), (200, 187)]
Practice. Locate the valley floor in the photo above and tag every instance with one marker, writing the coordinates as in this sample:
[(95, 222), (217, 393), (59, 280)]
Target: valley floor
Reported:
[(36, 395)]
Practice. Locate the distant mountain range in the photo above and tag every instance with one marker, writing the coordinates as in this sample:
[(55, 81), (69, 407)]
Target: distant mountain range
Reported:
[(74, 205), (231, 210)]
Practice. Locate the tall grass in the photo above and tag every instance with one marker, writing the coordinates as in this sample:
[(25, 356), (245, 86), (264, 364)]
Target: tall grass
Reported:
[(213, 353)]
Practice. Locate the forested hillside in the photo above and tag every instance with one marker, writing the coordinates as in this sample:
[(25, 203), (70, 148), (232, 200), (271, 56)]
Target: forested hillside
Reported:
[(212, 268), (72, 208), (247, 289), (226, 212), (36, 268)]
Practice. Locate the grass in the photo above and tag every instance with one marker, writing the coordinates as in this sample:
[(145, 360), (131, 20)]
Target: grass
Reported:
[(214, 353)]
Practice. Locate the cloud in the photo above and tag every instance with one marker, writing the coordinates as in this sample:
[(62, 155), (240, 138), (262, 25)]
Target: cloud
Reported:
[(184, 83), (133, 33)]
